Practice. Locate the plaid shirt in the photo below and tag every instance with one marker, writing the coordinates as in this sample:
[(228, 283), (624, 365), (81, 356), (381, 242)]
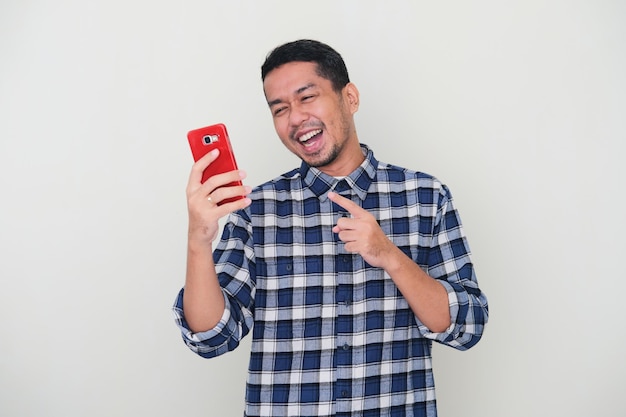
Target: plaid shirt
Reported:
[(332, 335)]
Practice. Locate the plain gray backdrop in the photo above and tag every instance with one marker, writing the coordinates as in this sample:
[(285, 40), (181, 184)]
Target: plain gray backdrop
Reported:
[(518, 106)]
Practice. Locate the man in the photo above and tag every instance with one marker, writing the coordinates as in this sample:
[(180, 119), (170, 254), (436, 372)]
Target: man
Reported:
[(346, 269)]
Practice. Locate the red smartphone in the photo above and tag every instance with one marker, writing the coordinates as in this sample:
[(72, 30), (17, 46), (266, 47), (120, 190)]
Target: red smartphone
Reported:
[(204, 140)]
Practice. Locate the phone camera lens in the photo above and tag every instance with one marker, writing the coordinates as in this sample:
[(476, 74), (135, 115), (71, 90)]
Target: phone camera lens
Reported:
[(209, 139)]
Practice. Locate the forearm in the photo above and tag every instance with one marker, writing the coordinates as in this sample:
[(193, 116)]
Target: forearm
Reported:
[(425, 295), (203, 301)]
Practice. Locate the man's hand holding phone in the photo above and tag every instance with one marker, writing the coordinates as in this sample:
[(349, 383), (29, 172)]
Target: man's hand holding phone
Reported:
[(214, 188)]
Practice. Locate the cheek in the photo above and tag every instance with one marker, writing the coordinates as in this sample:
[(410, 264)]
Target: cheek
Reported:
[(279, 126), (282, 129)]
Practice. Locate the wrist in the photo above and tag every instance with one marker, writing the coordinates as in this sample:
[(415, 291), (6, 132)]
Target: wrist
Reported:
[(202, 234)]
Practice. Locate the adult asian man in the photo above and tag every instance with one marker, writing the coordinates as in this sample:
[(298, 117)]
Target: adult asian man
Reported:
[(346, 268)]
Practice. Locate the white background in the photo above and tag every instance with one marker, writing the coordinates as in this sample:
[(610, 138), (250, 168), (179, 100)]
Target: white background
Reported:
[(518, 106)]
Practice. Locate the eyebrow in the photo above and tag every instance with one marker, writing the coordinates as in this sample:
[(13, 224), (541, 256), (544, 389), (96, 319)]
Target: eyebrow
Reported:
[(298, 91)]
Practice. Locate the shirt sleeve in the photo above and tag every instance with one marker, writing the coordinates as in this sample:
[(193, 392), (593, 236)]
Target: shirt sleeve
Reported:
[(234, 264), (449, 262)]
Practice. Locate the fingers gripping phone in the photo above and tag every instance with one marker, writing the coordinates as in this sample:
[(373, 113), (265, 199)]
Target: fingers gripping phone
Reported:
[(204, 140)]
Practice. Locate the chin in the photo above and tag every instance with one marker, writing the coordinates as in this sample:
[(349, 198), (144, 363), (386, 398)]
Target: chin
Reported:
[(319, 161)]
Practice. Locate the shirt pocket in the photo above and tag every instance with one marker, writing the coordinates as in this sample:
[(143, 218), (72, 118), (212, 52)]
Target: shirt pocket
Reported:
[(289, 300)]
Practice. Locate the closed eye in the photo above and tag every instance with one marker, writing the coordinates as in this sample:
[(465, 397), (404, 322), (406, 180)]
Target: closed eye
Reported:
[(278, 111)]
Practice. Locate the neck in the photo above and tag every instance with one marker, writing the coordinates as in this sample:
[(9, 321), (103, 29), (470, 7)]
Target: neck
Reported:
[(346, 162)]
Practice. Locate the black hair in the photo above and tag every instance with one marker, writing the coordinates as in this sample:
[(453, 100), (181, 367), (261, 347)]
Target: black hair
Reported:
[(330, 64)]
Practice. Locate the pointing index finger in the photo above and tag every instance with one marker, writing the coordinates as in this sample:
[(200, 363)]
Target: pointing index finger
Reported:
[(346, 203)]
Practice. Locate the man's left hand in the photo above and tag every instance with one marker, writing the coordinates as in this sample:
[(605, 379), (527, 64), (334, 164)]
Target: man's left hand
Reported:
[(361, 233)]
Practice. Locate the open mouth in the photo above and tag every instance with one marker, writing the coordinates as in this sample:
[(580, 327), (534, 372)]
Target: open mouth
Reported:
[(306, 138)]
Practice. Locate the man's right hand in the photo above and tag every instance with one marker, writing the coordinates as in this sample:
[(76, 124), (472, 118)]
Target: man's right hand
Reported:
[(203, 199)]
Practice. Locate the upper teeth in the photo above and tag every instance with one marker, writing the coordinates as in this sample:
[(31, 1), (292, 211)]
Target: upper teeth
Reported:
[(309, 135)]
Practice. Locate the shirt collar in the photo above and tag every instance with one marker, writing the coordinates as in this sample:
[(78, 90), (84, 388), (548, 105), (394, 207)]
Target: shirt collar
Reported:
[(358, 181)]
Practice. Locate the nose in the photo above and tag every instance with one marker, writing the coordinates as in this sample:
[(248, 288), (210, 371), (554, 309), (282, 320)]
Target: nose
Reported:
[(297, 116)]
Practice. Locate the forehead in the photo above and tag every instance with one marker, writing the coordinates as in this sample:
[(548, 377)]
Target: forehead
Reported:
[(289, 78)]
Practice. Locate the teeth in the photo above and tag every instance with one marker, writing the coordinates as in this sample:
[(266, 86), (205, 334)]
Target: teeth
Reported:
[(309, 135)]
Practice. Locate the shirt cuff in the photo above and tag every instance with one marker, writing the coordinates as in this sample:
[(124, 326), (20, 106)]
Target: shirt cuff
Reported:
[(201, 337), (453, 330)]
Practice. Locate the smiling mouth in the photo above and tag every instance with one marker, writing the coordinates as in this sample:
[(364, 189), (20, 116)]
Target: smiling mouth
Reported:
[(306, 137)]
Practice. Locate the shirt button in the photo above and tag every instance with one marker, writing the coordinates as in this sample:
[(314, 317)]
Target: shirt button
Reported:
[(346, 346), (344, 393), (341, 186)]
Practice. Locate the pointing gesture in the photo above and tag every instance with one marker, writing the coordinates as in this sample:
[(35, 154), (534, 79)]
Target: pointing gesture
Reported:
[(361, 233)]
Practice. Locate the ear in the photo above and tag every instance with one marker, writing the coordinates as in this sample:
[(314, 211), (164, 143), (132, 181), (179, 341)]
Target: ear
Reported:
[(351, 93)]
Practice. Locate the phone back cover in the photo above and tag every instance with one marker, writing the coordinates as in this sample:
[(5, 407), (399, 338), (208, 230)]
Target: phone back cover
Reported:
[(226, 160)]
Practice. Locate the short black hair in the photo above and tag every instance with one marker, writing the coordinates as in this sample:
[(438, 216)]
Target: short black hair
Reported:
[(330, 64)]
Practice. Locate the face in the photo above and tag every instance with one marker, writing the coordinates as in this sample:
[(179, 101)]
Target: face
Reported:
[(314, 121)]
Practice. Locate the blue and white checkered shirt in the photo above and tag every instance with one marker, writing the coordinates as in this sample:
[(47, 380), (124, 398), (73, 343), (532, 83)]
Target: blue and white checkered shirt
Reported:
[(332, 335)]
